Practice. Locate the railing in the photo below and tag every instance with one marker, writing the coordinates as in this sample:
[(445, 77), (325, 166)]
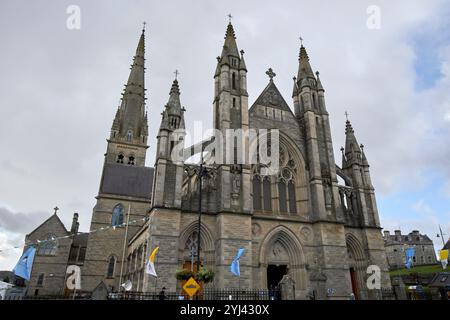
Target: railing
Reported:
[(387, 294), (81, 296), (132, 295), (207, 294), (241, 294)]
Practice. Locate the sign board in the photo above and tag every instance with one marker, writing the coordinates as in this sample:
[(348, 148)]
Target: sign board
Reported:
[(191, 287)]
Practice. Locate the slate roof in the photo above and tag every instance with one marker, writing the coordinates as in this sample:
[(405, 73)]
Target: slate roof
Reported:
[(130, 181), (271, 97), (411, 239)]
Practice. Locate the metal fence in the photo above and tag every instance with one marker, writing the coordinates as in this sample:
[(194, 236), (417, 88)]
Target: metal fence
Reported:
[(206, 294), (241, 294), (387, 294), (77, 296)]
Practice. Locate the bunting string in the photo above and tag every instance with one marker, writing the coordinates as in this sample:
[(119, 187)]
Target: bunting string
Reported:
[(40, 242)]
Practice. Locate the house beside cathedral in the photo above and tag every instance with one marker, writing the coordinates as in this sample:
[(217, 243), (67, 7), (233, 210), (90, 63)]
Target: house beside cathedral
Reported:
[(300, 221), (397, 243)]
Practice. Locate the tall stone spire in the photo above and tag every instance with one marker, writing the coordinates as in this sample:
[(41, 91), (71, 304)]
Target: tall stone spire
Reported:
[(169, 152), (304, 67), (133, 100), (230, 45), (352, 149), (130, 122), (173, 114)]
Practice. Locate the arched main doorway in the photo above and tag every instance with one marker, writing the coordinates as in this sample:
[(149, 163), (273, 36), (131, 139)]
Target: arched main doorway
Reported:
[(281, 253), (357, 265)]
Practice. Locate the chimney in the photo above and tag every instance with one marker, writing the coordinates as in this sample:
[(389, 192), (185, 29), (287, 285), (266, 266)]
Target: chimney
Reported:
[(398, 232), (75, 224), (386, 233)]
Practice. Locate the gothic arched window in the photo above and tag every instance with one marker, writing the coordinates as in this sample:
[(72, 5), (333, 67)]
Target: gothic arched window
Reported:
[(131, 160), (292, 198), (120, 158), (267, 192), (111, 267), (282, 196), (192, 242), (117, 215), (49, 246), (233, 80), (256, 193)]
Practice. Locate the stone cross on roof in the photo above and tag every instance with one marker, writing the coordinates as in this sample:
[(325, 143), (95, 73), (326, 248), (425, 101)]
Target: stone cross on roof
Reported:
[(271, 74), (56, 209), (176, 73)]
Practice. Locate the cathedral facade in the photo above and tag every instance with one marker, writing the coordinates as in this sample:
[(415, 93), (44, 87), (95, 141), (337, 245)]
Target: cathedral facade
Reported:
[(312, 220)]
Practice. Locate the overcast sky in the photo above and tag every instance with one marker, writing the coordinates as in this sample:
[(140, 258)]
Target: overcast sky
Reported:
[(60, 88)]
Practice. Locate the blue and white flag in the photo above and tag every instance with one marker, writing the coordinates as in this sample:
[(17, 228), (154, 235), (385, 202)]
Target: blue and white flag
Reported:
[(409, 257), (23, 267), (234, 268)]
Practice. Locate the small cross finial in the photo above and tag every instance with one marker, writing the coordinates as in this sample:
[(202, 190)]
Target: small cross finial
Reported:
[(346, 115), (176, 74), (143, 25), (270, 73), (56, 209), (229, 17), (301, 41)]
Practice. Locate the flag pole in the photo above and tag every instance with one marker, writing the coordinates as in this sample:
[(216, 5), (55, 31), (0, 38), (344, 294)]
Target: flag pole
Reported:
[(124, 246), (156, 278)]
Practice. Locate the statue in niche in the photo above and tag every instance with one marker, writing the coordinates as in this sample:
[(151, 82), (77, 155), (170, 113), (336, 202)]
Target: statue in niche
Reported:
[(236, 182), (328, 195)]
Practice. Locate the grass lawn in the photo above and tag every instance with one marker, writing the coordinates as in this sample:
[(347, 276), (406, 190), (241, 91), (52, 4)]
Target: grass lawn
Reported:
[(419, 269)]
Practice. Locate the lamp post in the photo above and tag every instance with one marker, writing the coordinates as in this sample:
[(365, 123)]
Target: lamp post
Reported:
[(441, 236), (201, 172)]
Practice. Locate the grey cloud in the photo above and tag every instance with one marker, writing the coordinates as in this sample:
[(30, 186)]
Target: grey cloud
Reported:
[(18, 222)]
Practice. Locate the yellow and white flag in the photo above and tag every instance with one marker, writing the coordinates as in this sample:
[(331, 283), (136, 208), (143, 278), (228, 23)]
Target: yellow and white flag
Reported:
[(150, 268), (443, 257)]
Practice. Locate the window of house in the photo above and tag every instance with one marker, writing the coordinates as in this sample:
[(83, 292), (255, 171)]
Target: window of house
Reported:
[(111, 267), (49, 246), (233, 80), (117, 215)]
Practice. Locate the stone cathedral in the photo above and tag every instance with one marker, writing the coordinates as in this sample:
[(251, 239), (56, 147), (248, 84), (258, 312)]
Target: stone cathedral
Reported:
[(314, 221)]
